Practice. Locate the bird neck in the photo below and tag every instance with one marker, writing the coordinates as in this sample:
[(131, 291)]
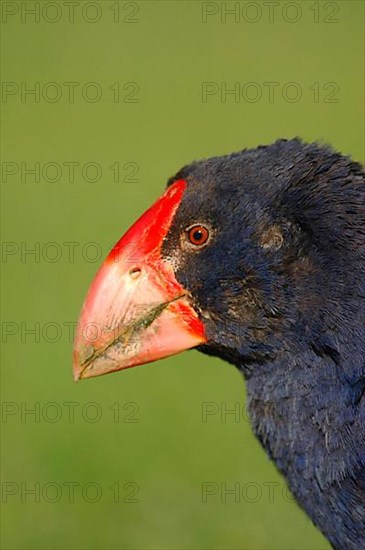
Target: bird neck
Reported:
[(310, 420)]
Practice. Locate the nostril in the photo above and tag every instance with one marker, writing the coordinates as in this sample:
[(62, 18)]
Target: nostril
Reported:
[(135, 272)]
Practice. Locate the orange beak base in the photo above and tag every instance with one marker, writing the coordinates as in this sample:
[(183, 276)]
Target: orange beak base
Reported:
[(136, 311)]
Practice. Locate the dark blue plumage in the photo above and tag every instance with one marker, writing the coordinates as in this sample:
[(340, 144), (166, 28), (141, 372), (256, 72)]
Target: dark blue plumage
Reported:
[(281, 292)]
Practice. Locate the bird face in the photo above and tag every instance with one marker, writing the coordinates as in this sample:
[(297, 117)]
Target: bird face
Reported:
[(200, 268), (226, 249)]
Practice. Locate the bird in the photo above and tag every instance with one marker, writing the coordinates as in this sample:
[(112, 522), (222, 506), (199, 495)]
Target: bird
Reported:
[(258, 258)]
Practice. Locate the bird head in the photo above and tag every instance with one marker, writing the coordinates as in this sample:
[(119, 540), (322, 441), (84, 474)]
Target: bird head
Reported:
[(224, 261)]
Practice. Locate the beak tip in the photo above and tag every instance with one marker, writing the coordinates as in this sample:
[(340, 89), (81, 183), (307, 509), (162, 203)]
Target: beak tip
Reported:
[(76, 369), (76, 377)]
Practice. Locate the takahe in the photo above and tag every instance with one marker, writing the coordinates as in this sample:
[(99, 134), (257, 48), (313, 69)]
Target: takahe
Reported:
[(257, 257)]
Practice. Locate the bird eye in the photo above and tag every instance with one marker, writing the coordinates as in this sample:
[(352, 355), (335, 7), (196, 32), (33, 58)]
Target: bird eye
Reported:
[(198, 235)]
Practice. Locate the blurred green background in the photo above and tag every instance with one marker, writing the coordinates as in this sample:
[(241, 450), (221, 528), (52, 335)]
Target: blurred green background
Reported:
[(142, 431)]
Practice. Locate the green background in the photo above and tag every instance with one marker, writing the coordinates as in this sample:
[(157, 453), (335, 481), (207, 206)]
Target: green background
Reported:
[(169, 452)]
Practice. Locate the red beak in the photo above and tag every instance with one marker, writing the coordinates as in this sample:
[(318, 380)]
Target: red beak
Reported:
[(136, 311)]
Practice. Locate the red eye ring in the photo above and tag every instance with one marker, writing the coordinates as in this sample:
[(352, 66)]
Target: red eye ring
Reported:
[(198, 235)]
